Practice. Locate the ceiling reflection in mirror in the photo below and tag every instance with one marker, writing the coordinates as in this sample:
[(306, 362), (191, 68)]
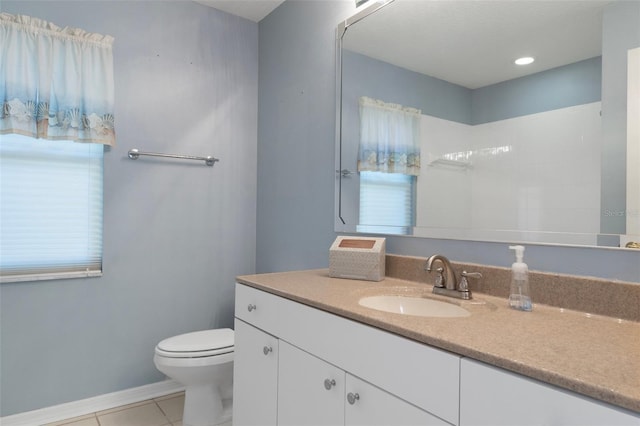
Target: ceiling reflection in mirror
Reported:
[(547, 152)]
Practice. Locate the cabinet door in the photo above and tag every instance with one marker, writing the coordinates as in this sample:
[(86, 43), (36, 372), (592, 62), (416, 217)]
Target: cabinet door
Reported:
[(492, 396), (371, 406), (255, 376), (310, 391)]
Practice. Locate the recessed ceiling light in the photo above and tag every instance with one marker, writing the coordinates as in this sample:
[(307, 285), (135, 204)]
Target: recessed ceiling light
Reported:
[(524, 60)]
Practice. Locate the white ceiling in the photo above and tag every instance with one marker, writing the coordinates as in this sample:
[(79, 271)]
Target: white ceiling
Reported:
[(253, 10), (473, 43)]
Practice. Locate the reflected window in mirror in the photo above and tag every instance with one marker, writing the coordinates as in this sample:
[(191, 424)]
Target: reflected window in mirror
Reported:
[(387, 200), (388, 162)]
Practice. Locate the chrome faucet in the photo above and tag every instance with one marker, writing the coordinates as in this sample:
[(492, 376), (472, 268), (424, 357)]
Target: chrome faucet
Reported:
[(446, 282)]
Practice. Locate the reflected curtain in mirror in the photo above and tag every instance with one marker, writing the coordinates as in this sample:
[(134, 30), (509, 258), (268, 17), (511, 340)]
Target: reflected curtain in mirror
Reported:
[(389, 163), (55, 83), (389, 138)]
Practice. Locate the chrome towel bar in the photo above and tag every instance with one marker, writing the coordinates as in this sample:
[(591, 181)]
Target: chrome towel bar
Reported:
[(134, 154)]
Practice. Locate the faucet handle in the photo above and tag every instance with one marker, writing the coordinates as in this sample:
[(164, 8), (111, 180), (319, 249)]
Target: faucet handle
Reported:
[(464, 284), (471, 274), (440, 279)]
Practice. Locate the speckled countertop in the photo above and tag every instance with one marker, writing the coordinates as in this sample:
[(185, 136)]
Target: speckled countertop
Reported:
[(593, 355)]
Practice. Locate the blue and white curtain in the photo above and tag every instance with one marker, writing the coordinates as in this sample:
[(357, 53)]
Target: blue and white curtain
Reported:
[(55, 83), (389, 138)]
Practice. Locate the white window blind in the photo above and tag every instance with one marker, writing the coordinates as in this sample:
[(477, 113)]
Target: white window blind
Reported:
[(386, 199), (50, 208)]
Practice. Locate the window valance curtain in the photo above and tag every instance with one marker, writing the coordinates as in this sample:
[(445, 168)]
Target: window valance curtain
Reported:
[(55, 83), (389, 138)]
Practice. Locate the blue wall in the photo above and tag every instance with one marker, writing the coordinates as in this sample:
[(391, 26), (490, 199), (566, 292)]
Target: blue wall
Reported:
[(176, 233), (296, 124), (295, 211), (570, 85), (364, 76)]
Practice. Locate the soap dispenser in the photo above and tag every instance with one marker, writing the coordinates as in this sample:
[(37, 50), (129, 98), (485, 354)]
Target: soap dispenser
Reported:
[(519, 297)]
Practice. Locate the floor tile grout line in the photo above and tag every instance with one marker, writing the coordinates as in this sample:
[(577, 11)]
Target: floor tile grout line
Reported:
[(163, 413)]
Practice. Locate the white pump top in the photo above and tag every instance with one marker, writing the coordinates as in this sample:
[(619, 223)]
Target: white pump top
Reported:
[(519, 268), (519, 252)]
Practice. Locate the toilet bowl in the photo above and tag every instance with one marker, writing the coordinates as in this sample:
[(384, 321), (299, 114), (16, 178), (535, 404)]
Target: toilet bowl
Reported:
[(203, 362)]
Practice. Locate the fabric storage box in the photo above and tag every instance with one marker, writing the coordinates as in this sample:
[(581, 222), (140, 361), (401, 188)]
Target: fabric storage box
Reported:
[(358, 258)]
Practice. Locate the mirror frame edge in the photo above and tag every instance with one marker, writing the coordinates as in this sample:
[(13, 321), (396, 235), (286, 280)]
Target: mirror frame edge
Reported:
[(343, 26)]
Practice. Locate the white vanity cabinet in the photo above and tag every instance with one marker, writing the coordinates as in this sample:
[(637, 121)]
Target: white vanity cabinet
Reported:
[(314, 392), (493, 397), (323, 358), (298, 365)]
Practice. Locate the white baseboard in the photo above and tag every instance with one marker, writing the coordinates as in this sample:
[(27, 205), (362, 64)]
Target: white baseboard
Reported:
[(91, 405)]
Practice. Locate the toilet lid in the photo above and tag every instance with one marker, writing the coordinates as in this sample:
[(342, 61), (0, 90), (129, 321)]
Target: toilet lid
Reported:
[(198, 343)]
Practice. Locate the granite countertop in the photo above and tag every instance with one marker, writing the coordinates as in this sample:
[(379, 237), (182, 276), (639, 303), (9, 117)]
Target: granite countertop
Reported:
[(593, 355)]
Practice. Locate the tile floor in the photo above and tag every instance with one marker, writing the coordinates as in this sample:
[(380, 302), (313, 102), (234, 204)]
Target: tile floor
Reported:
[(163, 411)]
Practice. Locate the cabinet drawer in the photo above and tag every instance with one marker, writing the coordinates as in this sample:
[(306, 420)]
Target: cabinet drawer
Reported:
[(258, 308)]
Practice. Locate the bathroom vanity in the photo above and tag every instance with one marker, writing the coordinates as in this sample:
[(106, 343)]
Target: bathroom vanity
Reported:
[(307, 353)]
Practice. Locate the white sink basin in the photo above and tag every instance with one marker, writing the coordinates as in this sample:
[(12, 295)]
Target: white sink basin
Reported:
[(418, 306)]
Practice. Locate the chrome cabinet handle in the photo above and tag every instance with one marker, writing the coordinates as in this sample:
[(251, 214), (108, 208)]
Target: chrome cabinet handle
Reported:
[(251, 307), (329, 383), (267, 349), (352, 397)]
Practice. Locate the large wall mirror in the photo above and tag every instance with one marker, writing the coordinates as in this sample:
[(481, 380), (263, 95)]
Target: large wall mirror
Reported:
[(441, 134)]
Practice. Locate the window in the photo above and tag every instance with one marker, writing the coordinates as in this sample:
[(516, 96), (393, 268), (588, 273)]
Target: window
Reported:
[(50, 209), (389, 163), (56, 113), (387, 200)]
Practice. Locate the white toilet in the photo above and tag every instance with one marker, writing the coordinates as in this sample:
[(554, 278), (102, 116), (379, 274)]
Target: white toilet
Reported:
[(203, 362)]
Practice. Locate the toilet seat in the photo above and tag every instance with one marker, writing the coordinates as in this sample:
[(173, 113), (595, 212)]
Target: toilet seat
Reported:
[(198, 344)]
